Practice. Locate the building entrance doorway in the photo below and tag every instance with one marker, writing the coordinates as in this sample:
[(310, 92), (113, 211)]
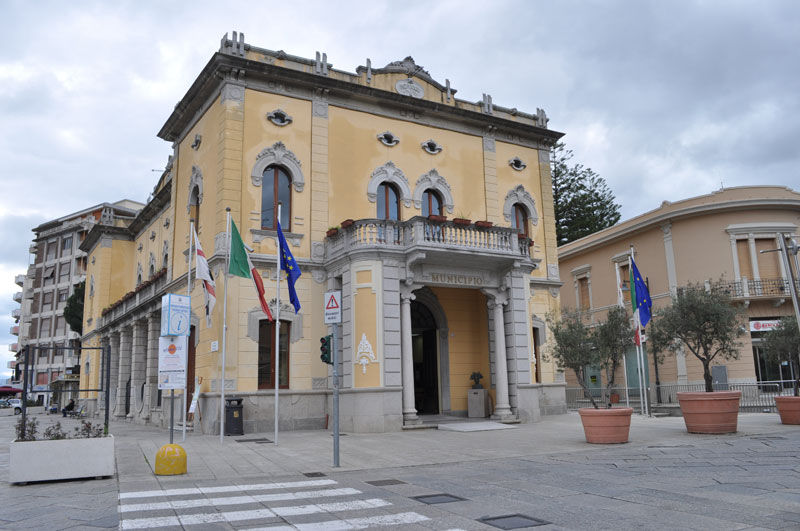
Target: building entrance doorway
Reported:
[(426, 360)]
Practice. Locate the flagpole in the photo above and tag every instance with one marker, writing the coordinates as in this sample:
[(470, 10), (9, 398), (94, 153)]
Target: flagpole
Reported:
[(639, 372), (224, 324), (639, 349), (621, 303), (277, 321), (189, 293)]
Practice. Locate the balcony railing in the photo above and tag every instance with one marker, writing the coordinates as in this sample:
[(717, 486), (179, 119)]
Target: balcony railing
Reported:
[(11, 364), (18, 296), (421, 232), (749, 288), (16, 313), (15, 330), (19, 280), (13, 347)]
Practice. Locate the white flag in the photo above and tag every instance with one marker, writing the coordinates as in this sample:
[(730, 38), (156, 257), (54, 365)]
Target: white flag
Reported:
[(202, 272)]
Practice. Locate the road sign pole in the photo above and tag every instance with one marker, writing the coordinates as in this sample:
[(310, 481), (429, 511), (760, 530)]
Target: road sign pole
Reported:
[(335, 399)]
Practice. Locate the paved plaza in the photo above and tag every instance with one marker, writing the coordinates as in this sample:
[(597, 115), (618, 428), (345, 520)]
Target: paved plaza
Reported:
[(541, 474)]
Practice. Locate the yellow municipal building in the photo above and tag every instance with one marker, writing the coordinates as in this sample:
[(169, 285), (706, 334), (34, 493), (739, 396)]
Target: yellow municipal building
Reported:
[(432, 215)]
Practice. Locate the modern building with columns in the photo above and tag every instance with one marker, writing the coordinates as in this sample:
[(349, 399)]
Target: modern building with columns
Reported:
[(431, 214), (711, 241)]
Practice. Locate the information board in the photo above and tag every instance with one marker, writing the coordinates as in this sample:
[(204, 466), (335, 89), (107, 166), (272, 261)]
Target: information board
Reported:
[(172, 362), (175, 314)]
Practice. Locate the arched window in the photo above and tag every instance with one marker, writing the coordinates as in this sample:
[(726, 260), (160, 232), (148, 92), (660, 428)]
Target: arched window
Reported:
[(152, 271), (194, 206), (276, 187), (431, 203), (520, 219), (388, 202)]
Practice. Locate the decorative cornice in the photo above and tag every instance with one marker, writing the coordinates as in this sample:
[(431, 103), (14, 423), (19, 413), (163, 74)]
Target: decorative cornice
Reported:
[(656, 217), (217, 73)]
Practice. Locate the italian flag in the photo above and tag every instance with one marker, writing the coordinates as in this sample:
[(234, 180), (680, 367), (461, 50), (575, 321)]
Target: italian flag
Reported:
[(242, 266)]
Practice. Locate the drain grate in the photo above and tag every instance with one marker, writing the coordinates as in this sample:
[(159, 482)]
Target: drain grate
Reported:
[(672, 446), (259, 441), (768, 438), (512, 521), (314, 474), (433, 499), (385, 482)]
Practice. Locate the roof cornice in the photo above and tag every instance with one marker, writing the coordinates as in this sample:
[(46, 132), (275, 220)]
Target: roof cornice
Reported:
[(223, 68), (152, 209), (658, 217), (97, 233)]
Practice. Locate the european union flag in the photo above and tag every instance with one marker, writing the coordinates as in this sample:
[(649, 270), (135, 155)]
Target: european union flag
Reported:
[(289, 265), (641, 295)]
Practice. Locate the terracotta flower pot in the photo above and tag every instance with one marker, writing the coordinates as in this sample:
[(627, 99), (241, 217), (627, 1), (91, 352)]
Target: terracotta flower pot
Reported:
[(789, 409), (606, 426), (484, 224), (346, 223), (437, 218), (716, 412), (462, 221), (332, 232)]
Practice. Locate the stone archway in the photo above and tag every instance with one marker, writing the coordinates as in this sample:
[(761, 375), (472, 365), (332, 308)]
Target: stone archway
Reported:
[(428, 299)]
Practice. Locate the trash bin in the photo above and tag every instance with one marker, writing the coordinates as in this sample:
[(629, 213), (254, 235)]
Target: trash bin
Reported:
[(234, 422)]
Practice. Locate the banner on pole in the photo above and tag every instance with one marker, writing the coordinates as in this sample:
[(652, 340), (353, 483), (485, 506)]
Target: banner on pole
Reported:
[(172, 362)]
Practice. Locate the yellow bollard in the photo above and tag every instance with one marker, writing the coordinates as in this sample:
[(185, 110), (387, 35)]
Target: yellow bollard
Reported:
[(170, 460)]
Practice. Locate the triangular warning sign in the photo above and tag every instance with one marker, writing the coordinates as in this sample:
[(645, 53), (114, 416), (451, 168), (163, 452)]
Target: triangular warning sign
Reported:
[(332, 304)]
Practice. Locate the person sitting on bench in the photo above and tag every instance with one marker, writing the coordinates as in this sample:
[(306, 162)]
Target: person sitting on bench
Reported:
[(69, 408)]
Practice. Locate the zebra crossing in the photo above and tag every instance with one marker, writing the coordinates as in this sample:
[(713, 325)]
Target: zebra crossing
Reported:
[(309, 505)]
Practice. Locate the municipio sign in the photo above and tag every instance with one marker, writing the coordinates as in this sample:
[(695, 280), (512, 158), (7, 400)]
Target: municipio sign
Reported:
[(333, 307)]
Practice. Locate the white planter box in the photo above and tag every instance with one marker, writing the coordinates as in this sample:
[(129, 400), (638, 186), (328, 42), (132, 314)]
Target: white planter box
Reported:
[(61, 459)]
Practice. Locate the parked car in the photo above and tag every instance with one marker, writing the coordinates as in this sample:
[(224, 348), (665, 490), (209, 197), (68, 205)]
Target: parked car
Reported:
[(4, 404), (16, 403)]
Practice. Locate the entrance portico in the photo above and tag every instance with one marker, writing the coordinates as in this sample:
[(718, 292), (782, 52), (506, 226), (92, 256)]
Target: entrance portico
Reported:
[(484, 277)]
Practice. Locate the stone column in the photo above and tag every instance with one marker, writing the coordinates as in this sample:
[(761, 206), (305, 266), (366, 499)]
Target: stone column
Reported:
[(409, 411), (125, 345), (105, 342), (502, 408), (151, 369), (138, 361), (113, 383)]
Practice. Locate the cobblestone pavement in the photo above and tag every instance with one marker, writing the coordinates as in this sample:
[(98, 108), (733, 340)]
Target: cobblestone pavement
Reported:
[(538, 474)]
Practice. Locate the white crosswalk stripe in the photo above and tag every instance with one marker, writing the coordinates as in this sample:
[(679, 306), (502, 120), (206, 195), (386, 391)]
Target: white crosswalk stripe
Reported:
[(138, 513)]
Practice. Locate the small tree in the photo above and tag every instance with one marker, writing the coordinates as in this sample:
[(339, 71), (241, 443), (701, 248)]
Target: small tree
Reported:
[(577, 346), (73, 310), (613, 337), (705, 322), (782, 344)]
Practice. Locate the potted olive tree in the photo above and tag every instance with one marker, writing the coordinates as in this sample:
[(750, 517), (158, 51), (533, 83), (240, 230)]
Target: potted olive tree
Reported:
[(577, 347), (708, 324), (782, 345)]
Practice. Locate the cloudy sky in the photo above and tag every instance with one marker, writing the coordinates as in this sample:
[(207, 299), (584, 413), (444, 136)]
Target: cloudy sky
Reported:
[(665, 100)]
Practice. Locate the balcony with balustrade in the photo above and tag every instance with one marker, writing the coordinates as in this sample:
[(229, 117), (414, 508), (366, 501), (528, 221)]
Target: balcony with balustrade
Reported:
[(441, 242), (751, 289), (18, 297), (16, 313), (19, 280), (15, 330)]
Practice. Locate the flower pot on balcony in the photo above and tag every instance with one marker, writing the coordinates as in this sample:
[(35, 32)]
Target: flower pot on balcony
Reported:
[(332, 232), (712, 413), (346, 223), (788, 409), (606, 426), (484, 224), (462, 221), (437, 218)]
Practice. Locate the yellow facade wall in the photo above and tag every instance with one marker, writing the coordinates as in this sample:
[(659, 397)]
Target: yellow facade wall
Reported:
[(355, 153), (367, 324)]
